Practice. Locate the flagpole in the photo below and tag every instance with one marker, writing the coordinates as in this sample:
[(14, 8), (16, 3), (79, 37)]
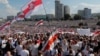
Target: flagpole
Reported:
[(45, 13), (45, 10)]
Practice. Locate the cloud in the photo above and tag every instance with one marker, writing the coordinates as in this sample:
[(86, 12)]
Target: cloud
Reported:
[(9, 10), (4, 1), (94, 7)]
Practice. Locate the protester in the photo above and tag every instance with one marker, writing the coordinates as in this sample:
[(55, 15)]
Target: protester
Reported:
[(24, 52), (31, 45)]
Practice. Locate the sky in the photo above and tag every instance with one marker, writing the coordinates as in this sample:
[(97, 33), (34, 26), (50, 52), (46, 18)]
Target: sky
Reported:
[(12, 7)]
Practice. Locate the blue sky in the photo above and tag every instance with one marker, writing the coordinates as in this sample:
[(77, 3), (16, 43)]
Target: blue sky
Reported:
[(11, 7)]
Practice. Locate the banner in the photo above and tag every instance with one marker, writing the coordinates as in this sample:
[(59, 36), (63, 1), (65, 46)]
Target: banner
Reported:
[(84, 32)]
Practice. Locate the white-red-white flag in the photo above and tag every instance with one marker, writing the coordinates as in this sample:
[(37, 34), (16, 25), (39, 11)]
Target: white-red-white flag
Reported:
[(27, 10), (50, 43), (39, 23), (7, 24), (96, 33)]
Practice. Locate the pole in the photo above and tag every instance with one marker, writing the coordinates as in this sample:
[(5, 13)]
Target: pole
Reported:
[(45, 11)]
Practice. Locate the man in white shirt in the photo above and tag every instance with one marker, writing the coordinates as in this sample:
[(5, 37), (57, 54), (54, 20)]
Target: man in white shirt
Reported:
[(24, 52), (34, 49), (64, 45), (19, 48)]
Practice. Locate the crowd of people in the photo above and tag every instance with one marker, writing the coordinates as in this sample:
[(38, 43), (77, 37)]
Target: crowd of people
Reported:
[(31, 45)]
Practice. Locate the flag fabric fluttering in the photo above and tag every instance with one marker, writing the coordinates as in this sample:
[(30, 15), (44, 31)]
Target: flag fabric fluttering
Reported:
[(50, 43), (6, 25), (39, 23), (96, 33), (24, 13), (27, 10)]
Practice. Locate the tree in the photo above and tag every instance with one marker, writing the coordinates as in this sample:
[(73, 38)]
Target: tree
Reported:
[(77, 17), (67, 16)]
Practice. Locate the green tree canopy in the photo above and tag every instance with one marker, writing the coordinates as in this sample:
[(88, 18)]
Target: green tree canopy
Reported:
[(67, 16), (77, 17)]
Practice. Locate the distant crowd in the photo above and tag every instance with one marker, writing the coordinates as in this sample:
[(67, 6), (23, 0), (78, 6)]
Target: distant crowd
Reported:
[(31, 45)]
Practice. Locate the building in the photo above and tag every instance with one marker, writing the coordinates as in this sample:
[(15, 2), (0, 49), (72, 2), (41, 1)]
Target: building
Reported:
[(50, 16), (66, 9), (38, 17), (44, 17), (86, 13), (57, 3), (59, 10), (81, 13), (10, 18)]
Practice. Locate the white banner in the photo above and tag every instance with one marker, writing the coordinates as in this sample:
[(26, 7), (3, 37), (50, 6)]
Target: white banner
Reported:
[(84, 32)]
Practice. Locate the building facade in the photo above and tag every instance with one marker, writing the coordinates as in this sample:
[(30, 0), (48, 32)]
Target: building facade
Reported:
[(10, 18), (81, 13), (44, 17), (59, 10), (66, 9), (86, 13)]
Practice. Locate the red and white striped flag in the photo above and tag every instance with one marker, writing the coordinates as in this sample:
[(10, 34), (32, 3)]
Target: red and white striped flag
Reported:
[(27, 10), (6, 25), (50, 43), (24, 13), (39, 23), (96, 33)]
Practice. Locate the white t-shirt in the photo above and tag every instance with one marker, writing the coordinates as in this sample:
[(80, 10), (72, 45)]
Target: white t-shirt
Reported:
[(64, 47), (34, 49), (4, 43), (80, 44), (75, 47), (24, 53), (19, 48)]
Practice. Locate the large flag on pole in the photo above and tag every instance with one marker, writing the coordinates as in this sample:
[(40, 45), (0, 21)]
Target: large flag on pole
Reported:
[(27, 9), (50, 43)]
